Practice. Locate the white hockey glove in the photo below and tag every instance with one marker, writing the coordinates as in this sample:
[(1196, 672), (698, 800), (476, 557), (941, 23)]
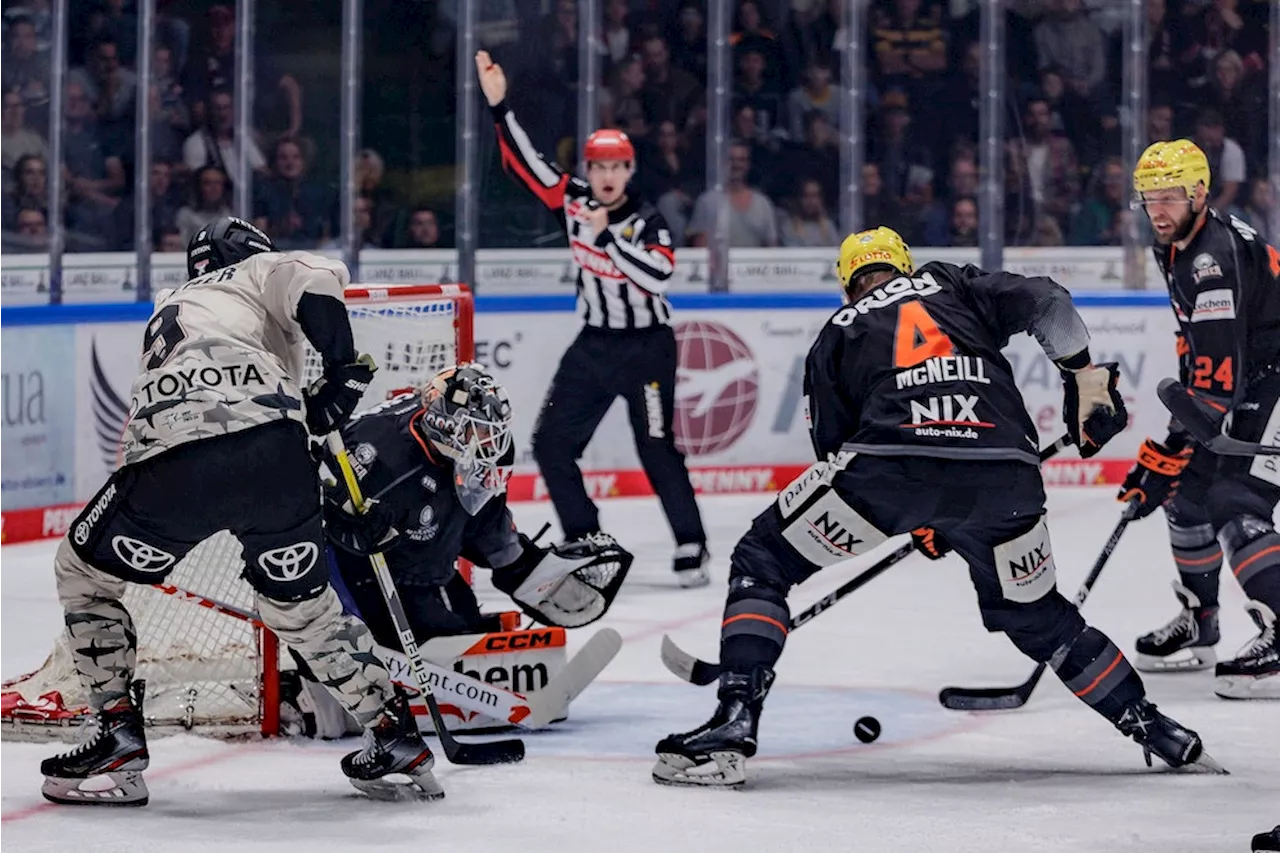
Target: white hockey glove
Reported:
[(565, 591)]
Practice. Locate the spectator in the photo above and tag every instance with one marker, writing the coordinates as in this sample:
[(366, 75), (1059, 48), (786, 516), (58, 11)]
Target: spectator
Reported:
[(757, 90), (892, 146), (1046, 232), (27, 233), (216, 143), (622, 101), (669, 93), (670, 177), (751, 35), (165, 79), (210, 198), (909, 45), (809, 225), (957, 110), (112, 88), (1071, 115), (925, 215), (1243, 104), (877, 207), (1162, 51), (1094, 223), (423, 230), (964, 222), (1068, 39), (817, 158), (615, 37), (1159, 123), (764, 148), (753, 223), (164, 196), (291, 207), (167, 138), (212, 69), (816, 94), (167, 238), (962, 179), (30, 188), (368, 236), (810, 32), (370, 171), (25, 68), (1222, 26), (1226, 159), (1047, 162), (689, 50), (1256, 211), (111, 21), (560, 42), (95, 176), (16, 139)]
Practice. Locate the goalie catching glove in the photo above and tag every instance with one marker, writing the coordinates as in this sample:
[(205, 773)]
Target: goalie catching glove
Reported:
[(333, 397), (1092, 408), (563, 588)]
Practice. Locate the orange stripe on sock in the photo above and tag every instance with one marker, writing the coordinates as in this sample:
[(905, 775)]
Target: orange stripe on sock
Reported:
[(1235, 570), (774, 622), (1105, 673), (1217, 556)]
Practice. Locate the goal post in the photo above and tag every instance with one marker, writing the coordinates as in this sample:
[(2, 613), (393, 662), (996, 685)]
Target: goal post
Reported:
[(209, 665)]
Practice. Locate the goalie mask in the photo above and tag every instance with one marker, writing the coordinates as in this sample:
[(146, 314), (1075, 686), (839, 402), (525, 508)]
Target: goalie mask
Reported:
[(467, 418)]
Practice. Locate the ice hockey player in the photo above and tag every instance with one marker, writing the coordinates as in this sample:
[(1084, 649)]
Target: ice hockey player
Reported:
[(919, 426), (1224, 283), (217, 440), (626, 348), (434, 463)]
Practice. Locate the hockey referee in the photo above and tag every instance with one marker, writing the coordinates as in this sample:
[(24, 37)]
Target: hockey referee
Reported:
[(626, 348)]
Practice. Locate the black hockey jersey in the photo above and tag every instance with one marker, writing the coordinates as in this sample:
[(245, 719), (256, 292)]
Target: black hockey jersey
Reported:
[(623, 272), (914, 368), (395, 467), (1225, 291)]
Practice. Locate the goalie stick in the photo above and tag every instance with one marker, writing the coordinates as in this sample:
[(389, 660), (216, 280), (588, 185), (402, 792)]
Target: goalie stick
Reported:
[(1182, 404), (1006, 698), (700, 672), (504, 751)]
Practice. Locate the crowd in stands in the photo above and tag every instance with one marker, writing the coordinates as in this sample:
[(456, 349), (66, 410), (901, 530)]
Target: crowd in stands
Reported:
[(1065, 183)]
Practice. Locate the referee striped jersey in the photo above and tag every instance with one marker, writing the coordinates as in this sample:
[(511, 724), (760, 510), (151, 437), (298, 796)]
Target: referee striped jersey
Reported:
[(623, 272)]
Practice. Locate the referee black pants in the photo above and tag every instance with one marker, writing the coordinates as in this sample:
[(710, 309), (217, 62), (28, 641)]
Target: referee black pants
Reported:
[(600, 366)]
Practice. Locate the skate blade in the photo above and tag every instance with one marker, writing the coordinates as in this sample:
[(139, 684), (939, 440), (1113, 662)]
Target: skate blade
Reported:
[(693, 578), (1184, 660), (420, 788), (1205, 763), (127, 789), (723, 770), (1247, 686)]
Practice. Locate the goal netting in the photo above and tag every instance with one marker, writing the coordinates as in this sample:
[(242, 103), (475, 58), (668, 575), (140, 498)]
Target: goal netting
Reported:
[(208, 664)]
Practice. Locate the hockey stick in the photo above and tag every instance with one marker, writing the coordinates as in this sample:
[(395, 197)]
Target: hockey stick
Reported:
[(490, 752), (1005, 698), (1182, 405), (700, 672)]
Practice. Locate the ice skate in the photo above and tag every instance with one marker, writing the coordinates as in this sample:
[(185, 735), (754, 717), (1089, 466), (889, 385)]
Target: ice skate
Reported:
[(1162, 736), (716, 753), (690, 565), (1267, 842), (393, 747), (114, 749), (1255, 672), (1186, 643)]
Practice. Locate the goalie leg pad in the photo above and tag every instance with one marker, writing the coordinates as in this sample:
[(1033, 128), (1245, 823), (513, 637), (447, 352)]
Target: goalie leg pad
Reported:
[(1098, 673), (337, 648), (102, 639)]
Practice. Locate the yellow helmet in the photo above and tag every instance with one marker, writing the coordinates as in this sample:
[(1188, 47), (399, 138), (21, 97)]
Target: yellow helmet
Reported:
[(1176, 164), (877, 247)]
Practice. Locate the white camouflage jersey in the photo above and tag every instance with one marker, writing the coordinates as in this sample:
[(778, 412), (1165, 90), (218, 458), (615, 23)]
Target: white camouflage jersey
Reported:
[(224, 352)]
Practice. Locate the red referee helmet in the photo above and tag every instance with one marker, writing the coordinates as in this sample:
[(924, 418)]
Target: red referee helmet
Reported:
[(608, 144)]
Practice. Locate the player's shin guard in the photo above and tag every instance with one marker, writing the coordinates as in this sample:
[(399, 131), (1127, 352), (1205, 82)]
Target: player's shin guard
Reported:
[(1198, 556), (754, 630), (103, 642), (337, 648), (1253, 548)]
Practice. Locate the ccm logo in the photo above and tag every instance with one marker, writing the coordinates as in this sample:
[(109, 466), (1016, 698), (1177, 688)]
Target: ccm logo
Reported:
[(513, 642)]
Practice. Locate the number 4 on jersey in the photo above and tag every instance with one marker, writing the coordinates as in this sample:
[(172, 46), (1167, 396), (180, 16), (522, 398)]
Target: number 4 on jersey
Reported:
[(918, 337)]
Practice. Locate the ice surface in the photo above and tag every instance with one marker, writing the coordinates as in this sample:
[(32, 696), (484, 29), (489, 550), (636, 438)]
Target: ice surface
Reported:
[(1049, 777)]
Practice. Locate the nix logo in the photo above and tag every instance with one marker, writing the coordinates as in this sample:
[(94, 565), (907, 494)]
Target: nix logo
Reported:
[(947, 410), (1029, 563), (835, 533)]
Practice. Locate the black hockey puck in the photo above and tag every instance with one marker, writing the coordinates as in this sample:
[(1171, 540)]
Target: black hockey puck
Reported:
[(867, 729)]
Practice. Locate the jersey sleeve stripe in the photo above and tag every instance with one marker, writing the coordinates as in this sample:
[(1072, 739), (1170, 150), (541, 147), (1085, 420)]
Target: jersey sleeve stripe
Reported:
[(518, 153), (646, 268)]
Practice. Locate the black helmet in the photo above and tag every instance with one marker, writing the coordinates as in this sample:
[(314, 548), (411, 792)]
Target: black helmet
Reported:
[(225, 241)]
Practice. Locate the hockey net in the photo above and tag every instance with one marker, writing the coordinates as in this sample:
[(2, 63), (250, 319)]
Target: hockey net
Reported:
[(208, 664)]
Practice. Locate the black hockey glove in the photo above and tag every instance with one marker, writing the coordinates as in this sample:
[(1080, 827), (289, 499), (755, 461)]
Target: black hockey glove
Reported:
[(333, 397), (1154, 478), (1092, 408), (930, 542), (363, 534)]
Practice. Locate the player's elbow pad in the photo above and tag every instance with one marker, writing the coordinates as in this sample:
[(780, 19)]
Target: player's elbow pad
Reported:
[(325, 322)]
